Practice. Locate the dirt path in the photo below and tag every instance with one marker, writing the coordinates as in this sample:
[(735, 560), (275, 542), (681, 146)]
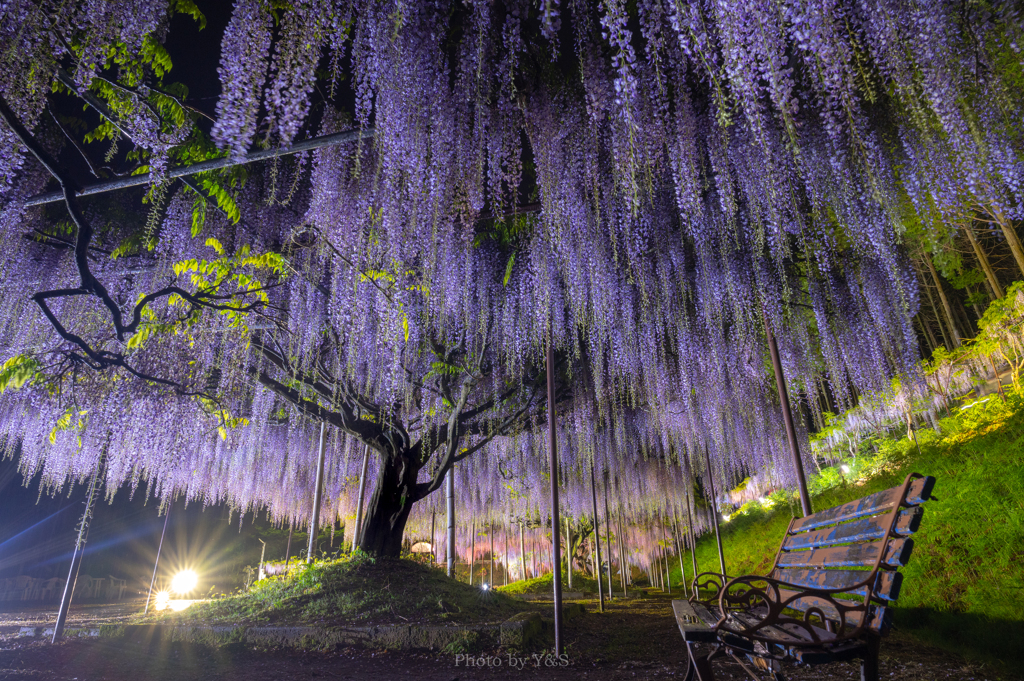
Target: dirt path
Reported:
[(633, 640)]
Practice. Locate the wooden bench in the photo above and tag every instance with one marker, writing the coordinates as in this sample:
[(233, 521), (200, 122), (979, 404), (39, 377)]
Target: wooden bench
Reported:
[(828, 597)]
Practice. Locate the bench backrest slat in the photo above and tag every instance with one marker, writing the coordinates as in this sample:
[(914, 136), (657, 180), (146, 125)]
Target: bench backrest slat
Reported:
[(886, 583), (897, 554), (873, 504), (863, 530), (879, 620)]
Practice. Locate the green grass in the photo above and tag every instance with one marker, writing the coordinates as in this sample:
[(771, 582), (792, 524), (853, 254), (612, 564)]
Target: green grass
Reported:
[(964, 587), (543, 584), (356, 590)]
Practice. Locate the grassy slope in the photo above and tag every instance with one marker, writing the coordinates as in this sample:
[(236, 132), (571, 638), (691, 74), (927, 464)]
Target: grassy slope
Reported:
[(356, 590), (964, 586), (543, 584)]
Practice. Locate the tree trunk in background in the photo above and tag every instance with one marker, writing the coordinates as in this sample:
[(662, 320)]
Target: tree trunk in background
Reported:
[(947, 308), (929, 339), (1011, 239), (935, 308), (965, 319), (986, 266)]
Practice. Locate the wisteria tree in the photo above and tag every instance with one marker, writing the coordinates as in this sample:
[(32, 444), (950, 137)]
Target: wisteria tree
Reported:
[(694, 174)]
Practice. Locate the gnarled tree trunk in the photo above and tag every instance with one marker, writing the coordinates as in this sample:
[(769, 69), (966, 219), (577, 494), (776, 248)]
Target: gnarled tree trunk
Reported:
[(392, 500)]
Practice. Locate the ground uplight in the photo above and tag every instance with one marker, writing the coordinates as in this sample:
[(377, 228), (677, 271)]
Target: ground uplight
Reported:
[(184, 582)]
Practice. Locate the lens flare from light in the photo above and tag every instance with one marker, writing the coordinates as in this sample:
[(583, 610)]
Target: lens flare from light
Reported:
[(162, 599), (845, 468), (184, 582)]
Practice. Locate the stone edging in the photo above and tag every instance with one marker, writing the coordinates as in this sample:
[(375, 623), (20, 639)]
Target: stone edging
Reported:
[(519, 631)]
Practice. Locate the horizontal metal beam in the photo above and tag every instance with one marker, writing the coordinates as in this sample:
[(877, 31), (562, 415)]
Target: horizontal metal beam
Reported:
[(213, 164)]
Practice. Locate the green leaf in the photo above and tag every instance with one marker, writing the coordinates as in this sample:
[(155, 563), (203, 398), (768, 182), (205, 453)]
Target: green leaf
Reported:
[(508, 269), (17, 371)]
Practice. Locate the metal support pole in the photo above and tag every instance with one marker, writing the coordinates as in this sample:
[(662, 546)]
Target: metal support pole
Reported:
[(679, 550), (556, 548), (522, 550), (608, 536), (490, 536), (433, 546), (472, 552), (315, 521), (693, 532), (288, 549), (668, 572), (787, 416), (159, 549), (622, 555), (505, 553), (714, 510), (568, 553), (362, 493), (449, 493), (76, 557), (597, 537)]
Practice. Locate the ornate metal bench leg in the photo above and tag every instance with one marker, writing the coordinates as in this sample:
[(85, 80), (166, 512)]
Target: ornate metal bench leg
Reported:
[(869, 663), (699, 664)]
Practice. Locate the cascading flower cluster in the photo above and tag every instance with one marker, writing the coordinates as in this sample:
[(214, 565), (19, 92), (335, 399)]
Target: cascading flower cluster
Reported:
[(730, 166)]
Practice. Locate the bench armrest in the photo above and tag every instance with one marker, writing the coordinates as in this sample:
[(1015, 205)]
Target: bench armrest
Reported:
[(754, 606), (709, 582)]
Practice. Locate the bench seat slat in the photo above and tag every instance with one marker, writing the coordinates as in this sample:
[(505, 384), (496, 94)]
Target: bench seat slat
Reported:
[(837, 653), (886, 587), (919, 492), (692, 626), (880, 615), (696, 623), (863, 530), (897, 554), (780, 631)]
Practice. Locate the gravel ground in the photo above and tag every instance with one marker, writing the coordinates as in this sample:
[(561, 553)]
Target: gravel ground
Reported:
[(633, 640)]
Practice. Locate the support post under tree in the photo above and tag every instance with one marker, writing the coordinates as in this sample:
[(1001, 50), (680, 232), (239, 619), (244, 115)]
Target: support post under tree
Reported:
[(693, 532), (622, 555), (597, 538), (449, 502), (714, 510), (568, 552), (362, 493), (76, 557), (607, 536), (679, 549), (787, 417), (522, 550), (288, 548), (159, 549), (317, 495), (668, 571), (472, 552), (556, 549)]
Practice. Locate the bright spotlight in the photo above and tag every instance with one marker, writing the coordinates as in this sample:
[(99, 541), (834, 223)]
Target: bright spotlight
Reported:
[(162, 599), (726, 517), (184, 582), (485, 587), (845, 469)]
